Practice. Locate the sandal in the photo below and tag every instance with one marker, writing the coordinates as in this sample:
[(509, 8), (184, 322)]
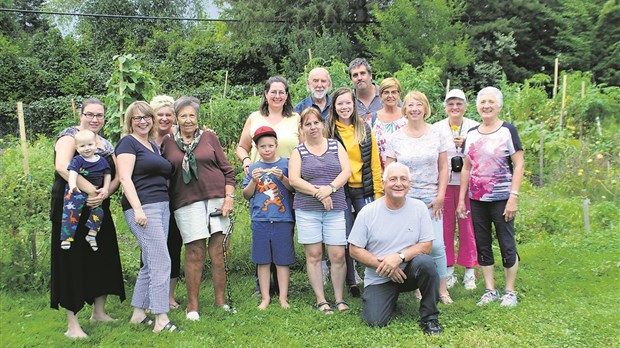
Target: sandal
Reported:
[(341, 303), (327, 310), (174, 306), (146, 321), (170, 327)]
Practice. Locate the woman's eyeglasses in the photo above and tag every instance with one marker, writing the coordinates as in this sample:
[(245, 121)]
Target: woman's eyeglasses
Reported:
[(90, 115), (142, 118)]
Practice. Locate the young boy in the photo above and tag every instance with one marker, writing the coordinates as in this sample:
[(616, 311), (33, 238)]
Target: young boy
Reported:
[(267, 188), (96, 170)]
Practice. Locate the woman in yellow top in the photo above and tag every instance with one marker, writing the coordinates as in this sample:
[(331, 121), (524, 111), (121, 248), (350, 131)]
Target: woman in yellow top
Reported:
[(277, 112), (365, 184)]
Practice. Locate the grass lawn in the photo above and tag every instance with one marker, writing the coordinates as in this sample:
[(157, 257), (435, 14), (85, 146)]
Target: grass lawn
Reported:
[(568, 297)]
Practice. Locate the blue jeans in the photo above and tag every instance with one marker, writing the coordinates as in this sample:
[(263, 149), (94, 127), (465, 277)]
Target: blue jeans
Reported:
[(439, 248), (380, 299), (355, 202)]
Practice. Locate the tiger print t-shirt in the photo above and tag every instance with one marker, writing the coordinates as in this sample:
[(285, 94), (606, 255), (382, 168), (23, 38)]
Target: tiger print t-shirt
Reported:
[(271, 200)]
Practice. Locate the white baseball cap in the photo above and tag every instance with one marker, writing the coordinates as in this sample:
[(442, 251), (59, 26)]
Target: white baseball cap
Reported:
[(455, 93)]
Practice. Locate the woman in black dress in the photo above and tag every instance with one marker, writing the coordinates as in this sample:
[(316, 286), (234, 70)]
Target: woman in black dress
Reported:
[(80, 275)]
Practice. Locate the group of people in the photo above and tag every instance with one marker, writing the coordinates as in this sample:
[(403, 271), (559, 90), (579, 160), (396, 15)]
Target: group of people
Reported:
[(178, 188), (360, 173)]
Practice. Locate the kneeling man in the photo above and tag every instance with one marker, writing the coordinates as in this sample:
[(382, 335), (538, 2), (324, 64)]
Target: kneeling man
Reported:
[(393, 237)]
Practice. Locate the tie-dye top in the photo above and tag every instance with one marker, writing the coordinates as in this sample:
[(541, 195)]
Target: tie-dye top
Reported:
[(383, 130), (491, 165)]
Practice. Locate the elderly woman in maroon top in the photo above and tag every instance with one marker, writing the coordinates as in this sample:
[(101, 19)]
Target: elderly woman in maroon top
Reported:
[(202, 182)]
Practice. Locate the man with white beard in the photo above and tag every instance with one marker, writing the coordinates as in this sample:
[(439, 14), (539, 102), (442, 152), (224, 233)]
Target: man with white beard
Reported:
[(319, 82)]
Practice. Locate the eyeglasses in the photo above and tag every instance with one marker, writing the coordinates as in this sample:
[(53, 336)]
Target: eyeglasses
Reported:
[(142, 118), (90, 116)]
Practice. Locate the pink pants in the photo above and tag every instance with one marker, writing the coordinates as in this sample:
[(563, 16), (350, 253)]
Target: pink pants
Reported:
[(467, 243)]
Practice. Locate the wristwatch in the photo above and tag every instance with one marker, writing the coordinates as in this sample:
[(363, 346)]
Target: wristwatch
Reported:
[(402, 256), (333, 188)]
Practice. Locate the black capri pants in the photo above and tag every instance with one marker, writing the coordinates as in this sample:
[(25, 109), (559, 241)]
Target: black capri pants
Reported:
[(483, 215)]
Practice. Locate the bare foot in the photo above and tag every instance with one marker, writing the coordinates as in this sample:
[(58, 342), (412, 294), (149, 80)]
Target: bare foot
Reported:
[(418, 295), (284, 304), (75, 334), (101, 318), (264, 303)]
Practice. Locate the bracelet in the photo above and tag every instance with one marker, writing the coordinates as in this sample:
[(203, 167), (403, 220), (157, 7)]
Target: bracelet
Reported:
[(246, 157), (231, 195), (516, 193)]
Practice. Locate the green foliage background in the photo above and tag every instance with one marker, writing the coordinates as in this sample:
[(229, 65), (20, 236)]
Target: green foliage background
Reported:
[(509, 44)]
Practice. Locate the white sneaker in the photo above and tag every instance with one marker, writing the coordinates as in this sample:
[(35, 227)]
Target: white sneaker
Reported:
[(193, 316), (509, 299), (469, 282), (451, 280), (488, 297), (229, 309)]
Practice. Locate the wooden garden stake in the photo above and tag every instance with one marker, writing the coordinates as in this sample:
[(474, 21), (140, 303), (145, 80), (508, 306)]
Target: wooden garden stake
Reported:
[(120, 93), (309, 54), (563, 101), (73, 107), (555, 77), (225, 83), (448, 86), (586, 213), (541, 160), (22, 137), (583, 89)]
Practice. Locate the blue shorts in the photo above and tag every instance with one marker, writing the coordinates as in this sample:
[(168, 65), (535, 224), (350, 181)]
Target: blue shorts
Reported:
[(272, 242), (328, 227)]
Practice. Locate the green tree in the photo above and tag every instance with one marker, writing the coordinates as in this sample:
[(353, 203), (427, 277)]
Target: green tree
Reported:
[(606, 46), (20, 24), (533, 24), (575, 36), (414, 32), (281, 46)]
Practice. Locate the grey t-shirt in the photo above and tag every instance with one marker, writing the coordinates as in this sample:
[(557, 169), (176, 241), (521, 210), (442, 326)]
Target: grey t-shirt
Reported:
[(383, 231)]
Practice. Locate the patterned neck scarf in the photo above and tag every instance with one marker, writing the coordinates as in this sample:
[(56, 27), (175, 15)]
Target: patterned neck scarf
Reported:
[(189, 160)]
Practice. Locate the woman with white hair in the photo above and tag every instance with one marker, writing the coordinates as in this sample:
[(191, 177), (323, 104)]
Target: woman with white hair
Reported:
[(493, 171), (202, 182), (454, 129)]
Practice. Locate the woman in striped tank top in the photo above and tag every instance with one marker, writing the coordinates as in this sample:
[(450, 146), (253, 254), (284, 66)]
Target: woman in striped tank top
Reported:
[(318, 170)]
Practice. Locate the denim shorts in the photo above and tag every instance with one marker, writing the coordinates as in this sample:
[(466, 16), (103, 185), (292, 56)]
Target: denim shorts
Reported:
[(321, 226), (272, 242)]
